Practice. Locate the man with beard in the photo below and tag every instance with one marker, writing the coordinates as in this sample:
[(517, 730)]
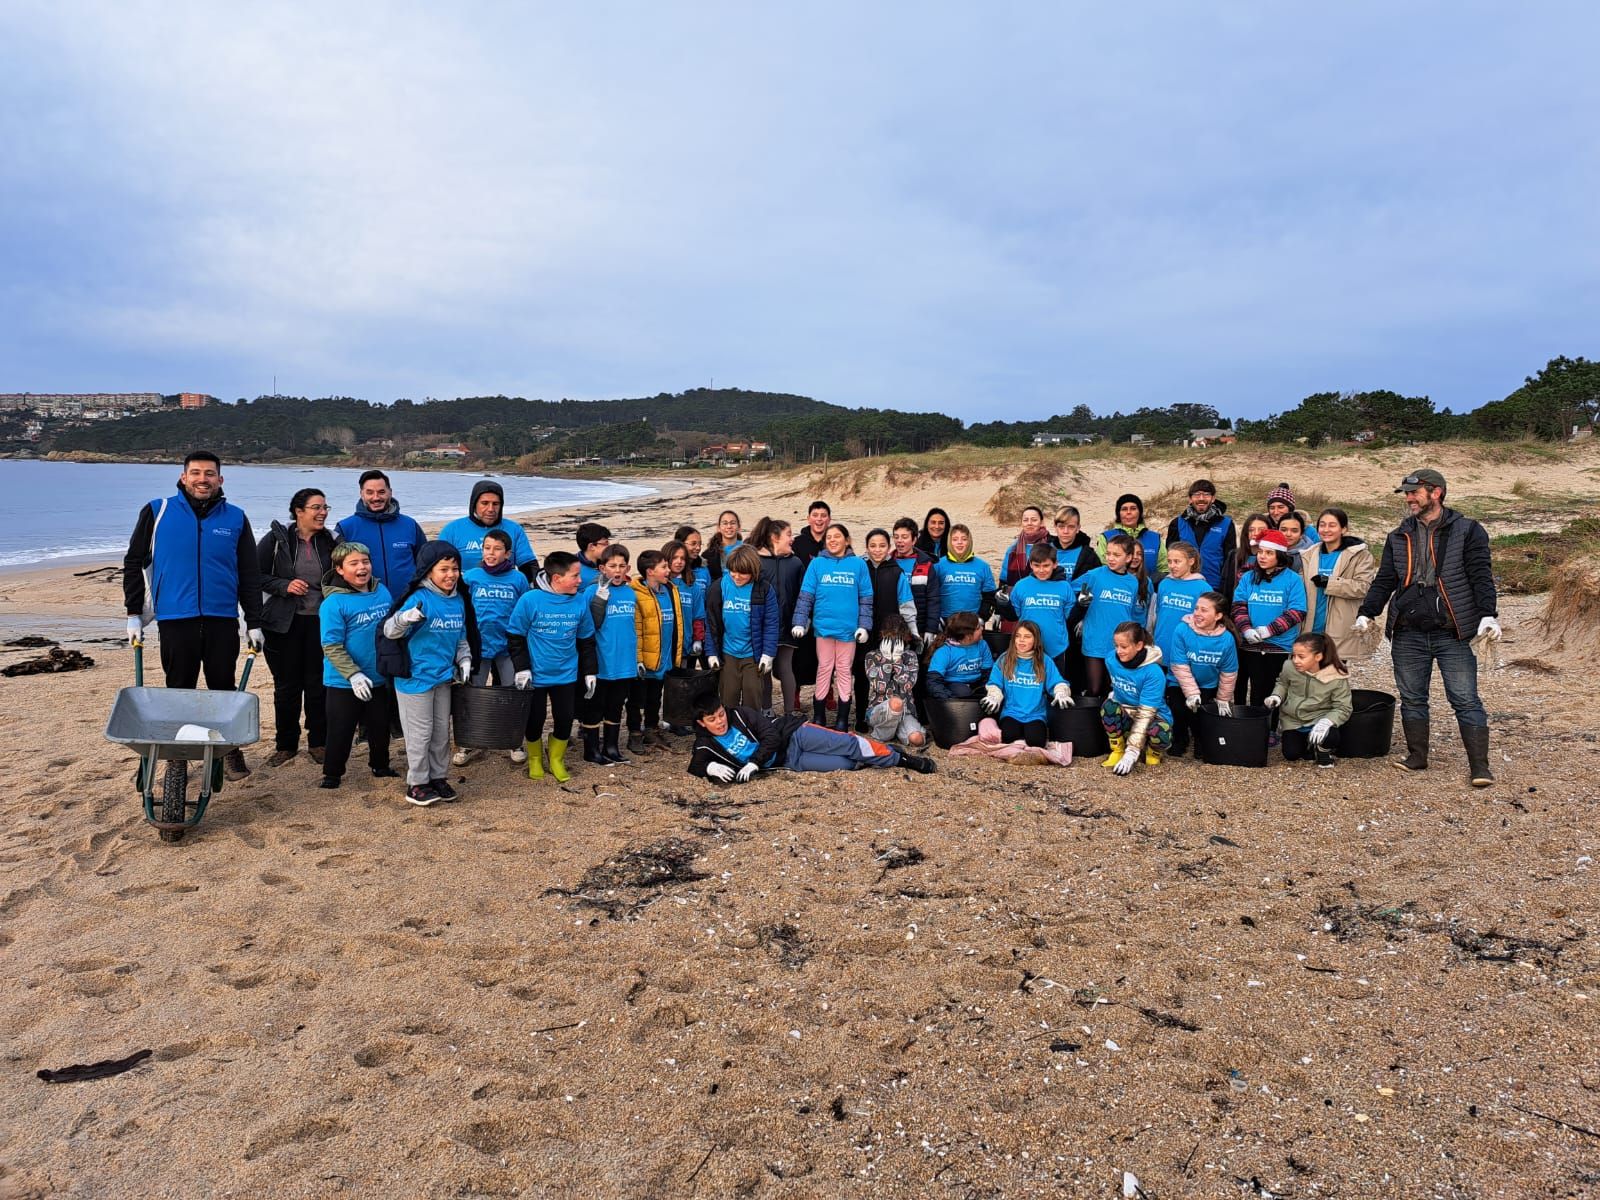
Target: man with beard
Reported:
[(1206, 526)]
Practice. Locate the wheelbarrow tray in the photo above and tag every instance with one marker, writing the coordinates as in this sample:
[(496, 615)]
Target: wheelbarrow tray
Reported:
[(149, 718)]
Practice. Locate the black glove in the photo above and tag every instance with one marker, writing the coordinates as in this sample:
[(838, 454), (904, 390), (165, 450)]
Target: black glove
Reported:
[(1319, 581)]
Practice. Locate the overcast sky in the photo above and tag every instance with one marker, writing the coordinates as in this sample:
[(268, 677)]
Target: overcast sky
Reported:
[(988, 210)]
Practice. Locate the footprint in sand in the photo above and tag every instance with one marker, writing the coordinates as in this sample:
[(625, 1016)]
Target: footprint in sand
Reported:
[(239, 977), (282, 882), (292, 1131), (376, 1054), (335, 860), (488, 1136), (251, 838)]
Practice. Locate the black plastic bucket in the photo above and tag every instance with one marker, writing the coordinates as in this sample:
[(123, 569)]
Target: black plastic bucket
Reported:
[(681, 687), (1081, 726), (997, 642), (1370, 729), (952, 721), (488, 718), (1239, 740)]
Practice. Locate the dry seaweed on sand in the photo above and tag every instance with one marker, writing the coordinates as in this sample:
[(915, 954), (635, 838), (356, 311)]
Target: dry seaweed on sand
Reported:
[(643, 871), (785, 943)]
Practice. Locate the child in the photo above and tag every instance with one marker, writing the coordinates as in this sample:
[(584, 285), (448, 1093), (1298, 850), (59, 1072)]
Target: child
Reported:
[(612, 605), (353, 606), (1046, 598), (430, 641), (1108, 596), (1203, 664), (1245, 557), (1314, 692), (592, 541), (1176, 595), (734, 746), (891, 679), (1343, 571), (686, 575), (1293, 527), (966, 583), (1075, 550), (1135, 715), (891, 596), (1280, 503), (495, 588), (1017, 686), (741, 628), (550, 637), (1269, 602), (658, 620), (835, 597), (963, 662), (918, 568), (782, 570), (723, 542)]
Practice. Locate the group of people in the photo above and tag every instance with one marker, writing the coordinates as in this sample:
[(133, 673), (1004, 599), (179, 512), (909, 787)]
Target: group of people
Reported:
[(370, 625)]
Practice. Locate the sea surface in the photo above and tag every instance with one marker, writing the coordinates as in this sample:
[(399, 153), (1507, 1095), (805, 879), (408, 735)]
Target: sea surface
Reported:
[(56, 510)]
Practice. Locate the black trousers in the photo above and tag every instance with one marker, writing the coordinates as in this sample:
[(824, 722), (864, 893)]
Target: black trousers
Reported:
[(1182, 718), (193, 643), (562, 701), (1298, 745), (1035, 733), (644, 704), (1260, 669), (295, 658), (1095, 677), (612, 694), (344, 714)]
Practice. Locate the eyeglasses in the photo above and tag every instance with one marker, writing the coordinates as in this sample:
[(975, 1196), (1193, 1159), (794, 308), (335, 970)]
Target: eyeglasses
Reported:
[(316, 508)]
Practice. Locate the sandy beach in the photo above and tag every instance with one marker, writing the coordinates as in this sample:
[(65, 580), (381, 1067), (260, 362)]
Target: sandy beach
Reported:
[(1284, 981)]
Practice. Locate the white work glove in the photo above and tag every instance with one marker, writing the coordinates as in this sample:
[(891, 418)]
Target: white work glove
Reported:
[(412, 615), (1085, 595), (1489, 628), (602, 591), (1224, 709), (589, 682), (361, 686), (1361, 624), (464, 670), (135, 631), (1273, 701), (1319, 732), (697, 649), (993, 698), (797, 631), (524, 681), (746, 773), (642, 671), (1061, 696), (1125, 763), (255, 639), (928, 639), (713, 662), (1192, 703), (721, 772), (764, 664), (1257, 635), (861, 636)]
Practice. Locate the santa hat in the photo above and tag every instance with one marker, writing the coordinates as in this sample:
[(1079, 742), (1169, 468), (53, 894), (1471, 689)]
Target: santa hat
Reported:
[(1271, 539)]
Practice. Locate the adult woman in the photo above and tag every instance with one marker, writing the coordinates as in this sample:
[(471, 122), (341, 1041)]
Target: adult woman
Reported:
[(934, 538), (783, 571), (1014, 565), (723, 542), (1342, 568), (1130, 521), (293, 559)]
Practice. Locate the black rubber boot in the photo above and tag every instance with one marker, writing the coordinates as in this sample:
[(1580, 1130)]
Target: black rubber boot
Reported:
[(819, 712), (636, 742), (842, 717), (609, 750), (1476, 739), (1416, 758), (591, 746)]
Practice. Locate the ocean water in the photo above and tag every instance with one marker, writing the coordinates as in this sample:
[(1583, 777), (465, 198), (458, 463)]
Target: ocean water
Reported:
[(57, 510)]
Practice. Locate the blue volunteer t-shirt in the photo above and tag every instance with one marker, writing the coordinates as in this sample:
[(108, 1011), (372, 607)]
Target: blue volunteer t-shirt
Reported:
[(552, 624), (1209, 656), (493, 598), (354, 621), (466, 535), (1269, 599), (1144, 686), (1025, 692), (838, 586), (737, 744), (961, 664), (1327, 562), (1047, 603), (1113, 599), (736, 617), (433, 640), (1174, 601), (617, 638), (962, 585)]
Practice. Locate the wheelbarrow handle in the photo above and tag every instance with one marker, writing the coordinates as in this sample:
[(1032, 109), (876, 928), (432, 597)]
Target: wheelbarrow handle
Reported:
[(138, 663), (249, 661)]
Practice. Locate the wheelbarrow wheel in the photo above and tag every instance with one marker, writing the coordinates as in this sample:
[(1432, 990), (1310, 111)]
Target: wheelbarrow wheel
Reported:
[(174, 787)]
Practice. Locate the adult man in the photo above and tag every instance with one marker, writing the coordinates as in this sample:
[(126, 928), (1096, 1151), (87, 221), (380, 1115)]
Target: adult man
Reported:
[(808, 542), (734, 747), (1436, 568), (484, 513), (1206, 525), (191, 567), (392, 537)]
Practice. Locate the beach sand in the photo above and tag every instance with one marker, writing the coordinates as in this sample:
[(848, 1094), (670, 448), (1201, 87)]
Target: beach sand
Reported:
[(1302, 982)]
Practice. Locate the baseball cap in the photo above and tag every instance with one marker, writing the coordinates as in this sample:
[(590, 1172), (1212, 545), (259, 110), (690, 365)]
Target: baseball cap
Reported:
[(1416, 479)]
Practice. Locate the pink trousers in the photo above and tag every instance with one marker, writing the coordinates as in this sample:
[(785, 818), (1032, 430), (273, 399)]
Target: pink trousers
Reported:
[(834, 659)]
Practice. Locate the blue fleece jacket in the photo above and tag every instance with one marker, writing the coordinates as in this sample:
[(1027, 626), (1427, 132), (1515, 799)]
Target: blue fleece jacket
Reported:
[(391, 537)]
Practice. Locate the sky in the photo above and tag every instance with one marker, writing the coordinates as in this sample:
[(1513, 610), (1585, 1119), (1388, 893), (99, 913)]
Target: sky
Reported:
[(992, 211)]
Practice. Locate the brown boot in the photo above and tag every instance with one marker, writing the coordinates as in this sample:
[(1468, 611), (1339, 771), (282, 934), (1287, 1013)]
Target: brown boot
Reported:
[(233, 765)]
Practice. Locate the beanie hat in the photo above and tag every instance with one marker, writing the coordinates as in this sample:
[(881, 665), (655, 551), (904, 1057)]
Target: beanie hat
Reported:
[(1271, 539), (431, 554), (1281, 492), (1128, 498)]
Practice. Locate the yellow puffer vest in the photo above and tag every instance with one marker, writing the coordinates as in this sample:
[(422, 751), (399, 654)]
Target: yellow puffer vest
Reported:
[(647, 624)]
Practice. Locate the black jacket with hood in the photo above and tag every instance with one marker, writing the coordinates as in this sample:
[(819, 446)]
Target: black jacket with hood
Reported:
[(275, 555), (394, 656)]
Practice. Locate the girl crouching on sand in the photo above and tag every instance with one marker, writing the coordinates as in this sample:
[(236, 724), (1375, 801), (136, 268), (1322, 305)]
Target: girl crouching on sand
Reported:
[(1135, 715), (1314, 694), (891, 678), (1203, 665), (1018, 684)]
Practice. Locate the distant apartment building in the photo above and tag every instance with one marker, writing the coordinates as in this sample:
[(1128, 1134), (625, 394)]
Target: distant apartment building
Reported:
[(92, 406), (195, 400)]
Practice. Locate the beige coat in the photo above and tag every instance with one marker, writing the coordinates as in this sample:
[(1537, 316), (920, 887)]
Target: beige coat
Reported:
[(1347, 588)]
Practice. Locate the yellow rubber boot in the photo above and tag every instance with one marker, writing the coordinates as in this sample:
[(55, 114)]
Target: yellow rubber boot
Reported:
[(558, 759), (1118, 745), (1152, 756), (535, 759)]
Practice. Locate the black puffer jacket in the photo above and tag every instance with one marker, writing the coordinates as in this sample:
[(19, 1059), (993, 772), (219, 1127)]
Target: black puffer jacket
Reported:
[(275, 554), (1460, 549)]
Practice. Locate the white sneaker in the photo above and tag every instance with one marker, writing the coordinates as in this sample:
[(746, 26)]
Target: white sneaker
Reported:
[(519, 756), (462, 757)]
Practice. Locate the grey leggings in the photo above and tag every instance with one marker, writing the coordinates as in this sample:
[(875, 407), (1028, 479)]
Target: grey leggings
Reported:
[(425, 718), (783, 672)]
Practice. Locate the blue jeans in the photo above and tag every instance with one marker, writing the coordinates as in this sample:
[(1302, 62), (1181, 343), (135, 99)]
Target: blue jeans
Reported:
[(813, 748), (1414, 654)]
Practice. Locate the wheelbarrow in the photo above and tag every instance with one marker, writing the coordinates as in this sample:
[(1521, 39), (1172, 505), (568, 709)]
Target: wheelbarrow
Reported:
[(179, 726)]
